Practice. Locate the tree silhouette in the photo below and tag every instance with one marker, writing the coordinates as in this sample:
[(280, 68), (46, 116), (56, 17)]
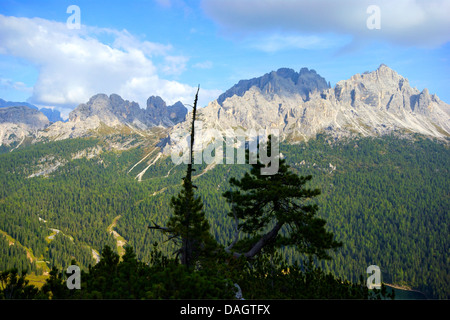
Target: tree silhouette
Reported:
[(188, 226), (14, 285), (271, 210)]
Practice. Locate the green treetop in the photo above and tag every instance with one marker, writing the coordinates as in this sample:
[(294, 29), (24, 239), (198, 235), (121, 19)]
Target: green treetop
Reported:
[(273, 212)]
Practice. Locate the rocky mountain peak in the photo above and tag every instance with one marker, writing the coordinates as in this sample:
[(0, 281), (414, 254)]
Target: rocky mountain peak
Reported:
[(156, 102), (52, 114), (32, 118), (177, 112), (18, 122), (115, 112), (98, 105), (298, 104), (284, 81), (158, 113), (4, 103), (368, 104)]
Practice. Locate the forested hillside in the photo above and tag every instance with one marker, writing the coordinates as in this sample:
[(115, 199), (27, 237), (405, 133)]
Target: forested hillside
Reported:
[(386, 199)]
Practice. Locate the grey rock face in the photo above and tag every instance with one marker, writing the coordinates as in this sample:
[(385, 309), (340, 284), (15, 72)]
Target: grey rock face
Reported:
[(155, 102), (115, 112), (158, 113), (52, 115), (177, 112), (383, 100), (110, 110), (16, 123), (284, 81), (369, 104), (34, 119)]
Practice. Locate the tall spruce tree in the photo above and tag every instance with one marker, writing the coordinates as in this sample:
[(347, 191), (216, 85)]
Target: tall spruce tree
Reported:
[(273, 211), (188, 226)]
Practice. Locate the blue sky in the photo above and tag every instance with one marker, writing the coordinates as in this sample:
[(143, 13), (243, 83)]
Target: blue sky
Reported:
[(140, 48)]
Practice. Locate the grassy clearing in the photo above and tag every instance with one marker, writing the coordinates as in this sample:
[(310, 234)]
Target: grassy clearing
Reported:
[(37, 280)]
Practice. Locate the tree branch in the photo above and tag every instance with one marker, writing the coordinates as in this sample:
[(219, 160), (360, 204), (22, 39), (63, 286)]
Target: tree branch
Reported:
[(261, 242), (157, 227)]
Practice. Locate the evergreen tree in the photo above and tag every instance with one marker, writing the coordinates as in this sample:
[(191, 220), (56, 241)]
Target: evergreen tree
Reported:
[(55, 286), (274, 214), (188, 225), (14, 286)]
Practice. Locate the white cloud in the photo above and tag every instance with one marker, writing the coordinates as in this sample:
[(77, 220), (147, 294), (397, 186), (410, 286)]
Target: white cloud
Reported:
[(174, 65), (126, 41), (75, 64), (421, 23), (203, 65), (15, 85)]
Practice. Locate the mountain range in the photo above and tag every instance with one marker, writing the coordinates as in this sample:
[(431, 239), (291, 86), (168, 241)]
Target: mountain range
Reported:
[(100, 111), (52, 114), (299, 104), (284, 81)]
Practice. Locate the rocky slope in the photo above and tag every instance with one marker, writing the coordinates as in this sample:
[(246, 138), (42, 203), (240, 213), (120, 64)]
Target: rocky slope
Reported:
[(284, 82), (159, 114), (112, 113), (298, 104), (368, 104), (17, 123)]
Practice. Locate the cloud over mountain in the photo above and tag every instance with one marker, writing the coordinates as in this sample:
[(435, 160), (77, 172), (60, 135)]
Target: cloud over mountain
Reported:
[(75, 64)]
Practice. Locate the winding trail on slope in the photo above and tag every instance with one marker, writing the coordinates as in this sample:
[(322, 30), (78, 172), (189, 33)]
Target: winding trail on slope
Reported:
[(121, 242)]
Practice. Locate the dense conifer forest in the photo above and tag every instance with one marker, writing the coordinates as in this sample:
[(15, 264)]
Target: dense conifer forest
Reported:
[(386, 199)]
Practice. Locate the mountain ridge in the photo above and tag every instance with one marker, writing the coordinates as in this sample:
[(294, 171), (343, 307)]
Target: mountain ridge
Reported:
[(298, 104), (114, 108), (51, 114), (117, 114), (284, 80), (19, 122), (369, 104)]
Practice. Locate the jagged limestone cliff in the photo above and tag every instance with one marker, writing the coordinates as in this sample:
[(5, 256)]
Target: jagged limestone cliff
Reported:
[(369, 104)]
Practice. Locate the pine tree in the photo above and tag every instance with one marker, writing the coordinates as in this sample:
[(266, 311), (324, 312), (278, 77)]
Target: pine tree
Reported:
[(188, 225), (272, 211), (15, 286)]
